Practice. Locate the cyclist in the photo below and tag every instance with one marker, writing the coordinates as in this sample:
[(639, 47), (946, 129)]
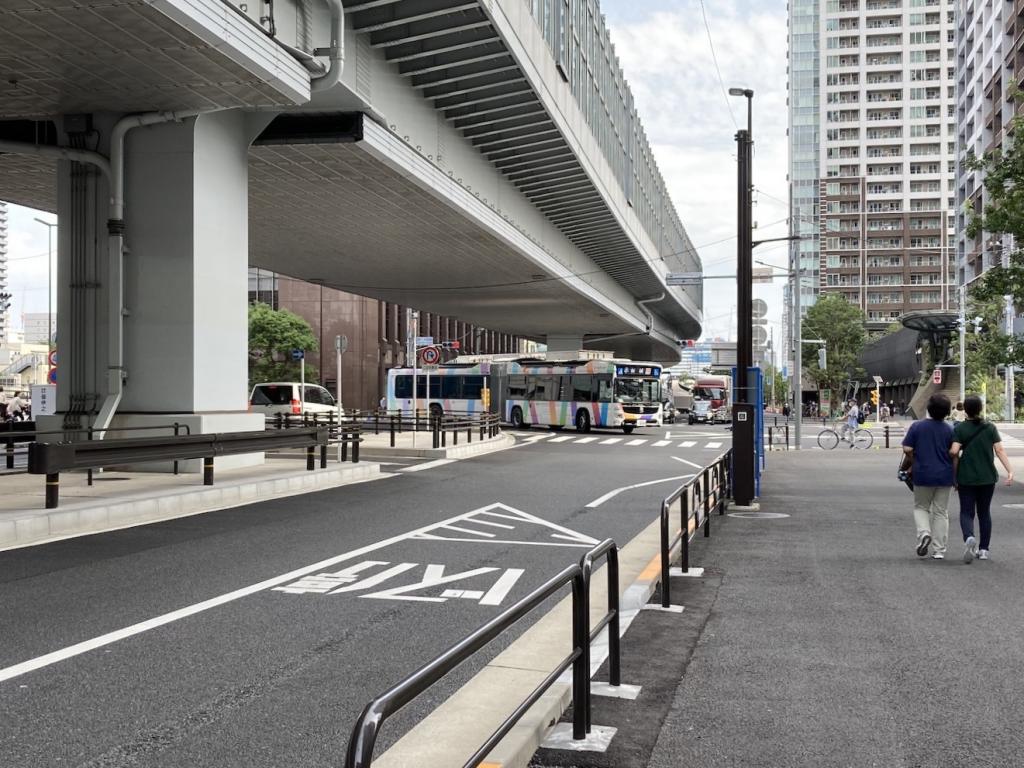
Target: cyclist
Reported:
[(852, 417)]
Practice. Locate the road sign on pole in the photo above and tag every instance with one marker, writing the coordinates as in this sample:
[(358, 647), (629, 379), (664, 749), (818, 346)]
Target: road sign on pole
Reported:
[(430, 355), (424, 341), (937, 376), (298, 354)]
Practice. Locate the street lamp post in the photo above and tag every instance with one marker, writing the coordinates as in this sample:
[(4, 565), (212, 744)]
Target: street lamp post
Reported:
[(50, 226)]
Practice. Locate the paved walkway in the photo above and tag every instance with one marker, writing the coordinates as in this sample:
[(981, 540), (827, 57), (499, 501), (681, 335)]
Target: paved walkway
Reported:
[(823, 640)]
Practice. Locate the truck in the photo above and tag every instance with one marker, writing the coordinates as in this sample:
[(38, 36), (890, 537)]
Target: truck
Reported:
[(717, 392)]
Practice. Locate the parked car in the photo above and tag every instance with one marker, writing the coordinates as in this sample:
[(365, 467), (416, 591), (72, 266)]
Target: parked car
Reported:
[(702, 413), (283, 397)]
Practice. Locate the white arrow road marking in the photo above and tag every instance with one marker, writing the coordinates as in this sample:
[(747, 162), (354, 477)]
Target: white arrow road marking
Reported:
[(612, 494), (689, 463)]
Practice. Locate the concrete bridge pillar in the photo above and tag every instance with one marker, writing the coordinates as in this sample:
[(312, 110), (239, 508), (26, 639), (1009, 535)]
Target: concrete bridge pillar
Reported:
[(185, 329), (564, 342)]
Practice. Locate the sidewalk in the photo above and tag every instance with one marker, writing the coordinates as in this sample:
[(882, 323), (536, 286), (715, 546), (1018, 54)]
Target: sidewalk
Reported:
[(825, 641)]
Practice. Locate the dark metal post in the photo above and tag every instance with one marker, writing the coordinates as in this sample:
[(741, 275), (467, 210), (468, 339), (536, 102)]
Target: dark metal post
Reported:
[(208, 470), (614, 660), (743, 439), (344, 445), (392, 431), (887, 436), (10, 445), (356, 439), (685, 522), (580, 671), (665, 554), (88, 473), (323, 457), (176, 432), (469, 433), (52, 490), (310, 459)]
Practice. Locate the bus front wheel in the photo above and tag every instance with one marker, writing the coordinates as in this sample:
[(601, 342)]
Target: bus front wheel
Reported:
[(582, 421), (628, 428), (517, 417)]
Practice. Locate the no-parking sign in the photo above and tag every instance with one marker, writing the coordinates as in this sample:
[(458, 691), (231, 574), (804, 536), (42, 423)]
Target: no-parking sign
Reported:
[(430, 355)]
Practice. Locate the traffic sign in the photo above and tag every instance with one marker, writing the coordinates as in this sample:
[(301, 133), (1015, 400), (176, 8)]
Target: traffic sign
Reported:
[(424, 341), (298, 354), (937, 376), (52, 357), (51, 377), (758, 308), (341, 343), (430, 355), (684, 278)]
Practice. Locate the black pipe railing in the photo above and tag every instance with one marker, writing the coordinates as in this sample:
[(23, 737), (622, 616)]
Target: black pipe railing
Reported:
[(359, 753), (451, 424), (697, 499)]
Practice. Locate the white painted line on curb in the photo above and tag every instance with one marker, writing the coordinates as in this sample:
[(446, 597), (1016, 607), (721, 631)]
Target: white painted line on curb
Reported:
[(612, 494), (688, 463), (428, 465)]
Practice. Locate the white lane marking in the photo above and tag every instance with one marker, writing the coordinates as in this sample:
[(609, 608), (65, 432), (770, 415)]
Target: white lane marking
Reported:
[(636, 442), (661, 443), (433, 577), (689, 463), (16, 670), (586, 440), (478, 521), (427, 465), (668, 435), (516, 516), (469, 531), (562, 439), (611, 441), (372, 581), (713, 445), (502, 586), (688, 444), (612, 494)]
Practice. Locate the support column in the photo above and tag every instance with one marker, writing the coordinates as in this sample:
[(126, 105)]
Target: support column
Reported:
[(564, 342), (185, 282)]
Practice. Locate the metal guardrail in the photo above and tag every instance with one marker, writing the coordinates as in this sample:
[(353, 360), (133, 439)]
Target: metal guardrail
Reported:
[(51, 459), (448, 425), (364, 734), (696, 498)]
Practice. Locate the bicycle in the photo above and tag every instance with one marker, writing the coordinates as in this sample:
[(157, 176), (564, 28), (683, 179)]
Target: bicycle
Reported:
[(830, 437)]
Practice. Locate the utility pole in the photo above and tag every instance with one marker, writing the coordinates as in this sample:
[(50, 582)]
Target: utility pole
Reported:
[(962, 322), (1010, 410)]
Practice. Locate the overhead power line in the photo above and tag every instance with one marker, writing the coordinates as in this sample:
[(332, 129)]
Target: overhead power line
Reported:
[(714, 58)]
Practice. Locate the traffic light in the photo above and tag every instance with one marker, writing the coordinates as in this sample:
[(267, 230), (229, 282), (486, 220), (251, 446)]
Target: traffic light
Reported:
[(874, 397), (822, 359)]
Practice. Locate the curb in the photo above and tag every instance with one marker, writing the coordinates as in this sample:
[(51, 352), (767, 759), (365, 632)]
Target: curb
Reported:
[(453, 731), (42, 526)]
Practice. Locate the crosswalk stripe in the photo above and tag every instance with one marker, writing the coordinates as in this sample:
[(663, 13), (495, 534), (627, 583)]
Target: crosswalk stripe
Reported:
[(688, 444), (561, 439), (535, 438), (636, 442), (586, 440), (662, 443), (611, 441), (714, 445)]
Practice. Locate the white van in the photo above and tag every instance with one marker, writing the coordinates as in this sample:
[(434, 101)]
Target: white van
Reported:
[(283, 397)]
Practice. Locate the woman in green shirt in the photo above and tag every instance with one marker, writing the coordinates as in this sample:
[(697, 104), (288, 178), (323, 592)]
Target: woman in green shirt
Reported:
[(974, 442)]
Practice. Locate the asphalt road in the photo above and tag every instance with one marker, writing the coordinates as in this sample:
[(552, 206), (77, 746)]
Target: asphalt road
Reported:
[(276, 669)]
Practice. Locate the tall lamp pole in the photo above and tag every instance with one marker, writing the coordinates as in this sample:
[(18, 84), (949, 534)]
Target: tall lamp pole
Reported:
[(50, 226)]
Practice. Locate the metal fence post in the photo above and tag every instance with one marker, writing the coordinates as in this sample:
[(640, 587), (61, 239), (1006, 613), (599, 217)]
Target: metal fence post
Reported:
[(392, 431), (310, 459), (886, 435), (323, 456), (580, 671), (88, 473), (10, 445), (52, 490), (356, 439), (685, 523), (664, 555), (208, 470), (614, 651)]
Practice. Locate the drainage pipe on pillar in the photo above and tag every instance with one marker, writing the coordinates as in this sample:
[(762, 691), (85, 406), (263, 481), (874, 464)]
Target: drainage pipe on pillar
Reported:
[(335, 52), (642, 305)]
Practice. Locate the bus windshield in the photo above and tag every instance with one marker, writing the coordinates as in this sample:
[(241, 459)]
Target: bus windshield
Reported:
[(637, 390)]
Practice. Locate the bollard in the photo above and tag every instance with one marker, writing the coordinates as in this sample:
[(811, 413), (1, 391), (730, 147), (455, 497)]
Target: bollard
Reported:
[(435, 429), (886, 435), (444, 438), (771, 439), (787, 437), (392, 431), (482, 428), (455, 434), (176, 432), (323, 457), (310, 459), (208, 470), (376, 422), (52, 490), (356, 440), (344, 445), (469, 433)]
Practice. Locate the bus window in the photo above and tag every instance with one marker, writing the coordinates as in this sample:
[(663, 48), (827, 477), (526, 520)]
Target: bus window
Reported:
[(546, 388), (451, 387), (604, 389), (583, 388), (517, 387), (531, 387), (471, 387), (403, 386), (435, 387)]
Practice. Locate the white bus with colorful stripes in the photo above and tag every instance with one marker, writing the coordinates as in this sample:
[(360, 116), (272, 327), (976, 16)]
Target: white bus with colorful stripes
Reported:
[(586, 393)]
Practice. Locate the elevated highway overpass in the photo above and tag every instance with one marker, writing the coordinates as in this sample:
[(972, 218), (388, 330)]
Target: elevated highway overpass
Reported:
[(460, 156)]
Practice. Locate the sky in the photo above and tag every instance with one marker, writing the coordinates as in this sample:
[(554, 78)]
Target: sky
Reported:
[(664, 50)]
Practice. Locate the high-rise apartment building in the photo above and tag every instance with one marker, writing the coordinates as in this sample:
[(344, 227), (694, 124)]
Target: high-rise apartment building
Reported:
[(886, 154), (989, 55), (804, 175)]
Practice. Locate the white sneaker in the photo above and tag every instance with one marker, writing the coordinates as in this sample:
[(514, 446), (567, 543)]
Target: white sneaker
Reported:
[(983, 554), (938, 556), (970, 549)]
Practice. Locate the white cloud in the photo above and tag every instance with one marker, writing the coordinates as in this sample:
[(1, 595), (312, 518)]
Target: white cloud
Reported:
[(664, 51), (26, 261)]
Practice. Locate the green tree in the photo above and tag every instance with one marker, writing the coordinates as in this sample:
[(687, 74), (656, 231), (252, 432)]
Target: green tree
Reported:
[(841, 325), (781, 385), (273, 334)]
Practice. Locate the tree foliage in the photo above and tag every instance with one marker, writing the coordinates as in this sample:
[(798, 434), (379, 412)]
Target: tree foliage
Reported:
[(273, 334), (841, 325)]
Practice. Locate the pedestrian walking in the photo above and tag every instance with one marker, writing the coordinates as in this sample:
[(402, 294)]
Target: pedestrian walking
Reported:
[(3, 405), (927, 448), (16, 408), (974, 443), (958, 414)]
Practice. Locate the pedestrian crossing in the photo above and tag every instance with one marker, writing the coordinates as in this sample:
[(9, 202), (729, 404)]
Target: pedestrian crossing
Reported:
[(660, 441)]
